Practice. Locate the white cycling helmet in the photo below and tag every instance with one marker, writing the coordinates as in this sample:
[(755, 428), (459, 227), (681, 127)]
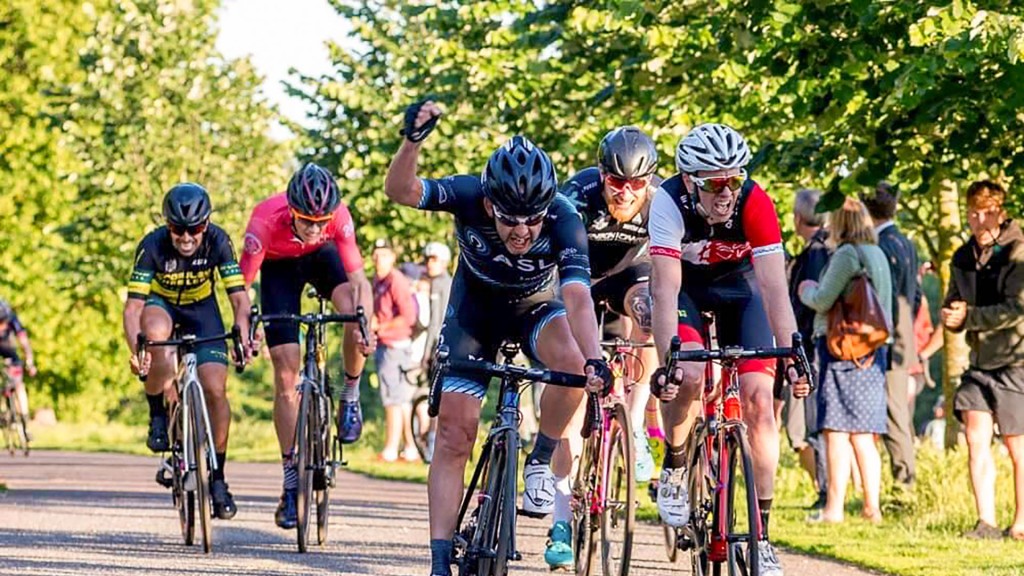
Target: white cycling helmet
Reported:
[(711, 147), (438, 249)]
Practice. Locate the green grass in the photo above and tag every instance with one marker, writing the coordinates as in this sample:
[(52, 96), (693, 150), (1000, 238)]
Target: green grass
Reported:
[(920, 541)]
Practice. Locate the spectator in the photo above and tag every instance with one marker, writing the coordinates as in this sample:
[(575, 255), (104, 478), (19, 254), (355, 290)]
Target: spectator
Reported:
[(986, 299), (927, 340), (851, 398), (438, 258), (394, 314), (935, 430), (416, 275), (801, 415), (906, 297)]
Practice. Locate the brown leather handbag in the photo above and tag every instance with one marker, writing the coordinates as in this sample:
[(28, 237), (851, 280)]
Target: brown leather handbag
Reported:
[(857, 323)]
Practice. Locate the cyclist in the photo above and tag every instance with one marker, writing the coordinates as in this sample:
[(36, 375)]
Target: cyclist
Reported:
[(514, 232), (716, 245), (171, 286), (614, 199), (11, 329), (306, 235)]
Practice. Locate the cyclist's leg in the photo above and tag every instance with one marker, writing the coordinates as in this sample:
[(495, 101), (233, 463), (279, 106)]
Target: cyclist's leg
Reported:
[(549, 340), (158, 324), (679, 413)]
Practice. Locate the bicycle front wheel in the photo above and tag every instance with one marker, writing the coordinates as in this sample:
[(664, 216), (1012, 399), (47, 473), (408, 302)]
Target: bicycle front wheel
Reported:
[(493, 536), (697, 533), (325, 471), (742, 512), (184, 500), (200, 437), (422, 428), (19, 429), (618, 519), (304, 434), (585, 522)]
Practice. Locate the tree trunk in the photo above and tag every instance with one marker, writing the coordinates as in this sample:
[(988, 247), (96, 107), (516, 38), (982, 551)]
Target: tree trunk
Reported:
[(955, 353)]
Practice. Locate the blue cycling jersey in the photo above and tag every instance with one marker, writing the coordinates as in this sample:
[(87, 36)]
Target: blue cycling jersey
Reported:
[(561, 245)]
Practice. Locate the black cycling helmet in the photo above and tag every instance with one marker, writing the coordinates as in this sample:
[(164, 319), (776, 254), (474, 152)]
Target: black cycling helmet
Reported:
[(519, 178), (5, 311), (627, 153), (313, 191), (187, 204)]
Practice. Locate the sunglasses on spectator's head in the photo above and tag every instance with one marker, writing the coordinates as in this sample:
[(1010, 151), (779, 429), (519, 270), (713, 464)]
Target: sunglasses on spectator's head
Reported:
[(513, 221), (716, 184), (193, 230), (307, 219)]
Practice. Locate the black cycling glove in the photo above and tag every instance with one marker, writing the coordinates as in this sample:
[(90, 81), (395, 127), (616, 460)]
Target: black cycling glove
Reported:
[(657, 387), (410, 131), (602, 371)]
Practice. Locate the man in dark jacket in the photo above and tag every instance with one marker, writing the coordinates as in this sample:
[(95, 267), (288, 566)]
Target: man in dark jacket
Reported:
[(986, 299), (902, 256), (438, 257), (801, 416)]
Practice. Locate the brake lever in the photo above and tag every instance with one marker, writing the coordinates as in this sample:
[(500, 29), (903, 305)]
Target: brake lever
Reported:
[(240, 356), (439, 368), (363, 330), (140, 353), (254, 319)]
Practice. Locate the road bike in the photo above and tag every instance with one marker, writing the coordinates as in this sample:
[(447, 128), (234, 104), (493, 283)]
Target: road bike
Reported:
[(318, 453), (604, 490), (725, 520), (484, 541), (193, 455)]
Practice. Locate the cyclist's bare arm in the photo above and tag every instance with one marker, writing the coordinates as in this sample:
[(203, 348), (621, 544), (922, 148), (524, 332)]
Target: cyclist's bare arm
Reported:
[(666, 281), (132, 321), (770, 271), (402, 184), (579, 312), (26, 346)]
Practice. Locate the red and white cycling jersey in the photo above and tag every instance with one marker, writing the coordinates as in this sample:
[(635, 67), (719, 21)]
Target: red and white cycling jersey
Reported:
[(710, 251), (269, 235)]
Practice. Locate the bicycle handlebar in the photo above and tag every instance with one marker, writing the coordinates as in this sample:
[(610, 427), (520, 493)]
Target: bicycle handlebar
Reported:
[(190, 341), (621, 343), (443, 363), (310, 319), (735, 353)]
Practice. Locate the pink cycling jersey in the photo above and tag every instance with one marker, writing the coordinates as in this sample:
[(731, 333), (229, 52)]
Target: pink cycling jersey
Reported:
[(269, 235)]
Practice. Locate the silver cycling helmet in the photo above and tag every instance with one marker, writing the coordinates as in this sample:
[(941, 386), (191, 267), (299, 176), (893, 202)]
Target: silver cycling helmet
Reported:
[(711, 147)]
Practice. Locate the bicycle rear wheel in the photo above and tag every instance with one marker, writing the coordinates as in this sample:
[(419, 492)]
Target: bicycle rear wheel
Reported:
[(585, 522), (202, 472), (742, 512), (618, 520), (19, 429), (422, 428), (323, 493), (304, 433)]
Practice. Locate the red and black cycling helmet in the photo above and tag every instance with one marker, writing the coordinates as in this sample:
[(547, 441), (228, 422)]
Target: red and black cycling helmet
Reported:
[(312, 191), (519, 178), (187, 204), (627, 153)]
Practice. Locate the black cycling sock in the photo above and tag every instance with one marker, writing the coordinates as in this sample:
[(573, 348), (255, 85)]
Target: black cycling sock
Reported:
[(543, 449), (156, 405), (675, 456), (765, 504), (440, 557), (218, 474)]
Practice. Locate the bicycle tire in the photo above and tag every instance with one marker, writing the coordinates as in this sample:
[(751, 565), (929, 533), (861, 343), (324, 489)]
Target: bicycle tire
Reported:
[(620, 507), (486, 540), (421, 431), (200, 454), (323, 495), (304, 466), (742, 561), (184, 500), (585, 525), (18, 426), (701, 492), (507, 518)]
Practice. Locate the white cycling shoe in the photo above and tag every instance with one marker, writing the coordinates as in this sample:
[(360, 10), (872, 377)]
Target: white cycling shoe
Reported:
[(673, 497), (539, 493)]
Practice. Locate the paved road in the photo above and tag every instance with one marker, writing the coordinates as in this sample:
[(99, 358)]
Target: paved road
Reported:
[(102, 514)]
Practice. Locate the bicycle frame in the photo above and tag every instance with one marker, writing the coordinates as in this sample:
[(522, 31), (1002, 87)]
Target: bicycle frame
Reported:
[(188, 384)]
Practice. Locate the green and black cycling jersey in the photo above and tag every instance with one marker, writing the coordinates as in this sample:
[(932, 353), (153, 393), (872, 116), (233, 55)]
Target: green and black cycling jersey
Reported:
[(159, 268)]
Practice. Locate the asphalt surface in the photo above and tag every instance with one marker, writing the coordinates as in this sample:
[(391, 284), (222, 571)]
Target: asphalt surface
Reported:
[(102, 514)]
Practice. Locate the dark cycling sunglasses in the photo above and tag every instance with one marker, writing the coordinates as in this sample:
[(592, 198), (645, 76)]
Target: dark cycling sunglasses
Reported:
[(513, 221), (716, 184), (616, 183), (193, 230)]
